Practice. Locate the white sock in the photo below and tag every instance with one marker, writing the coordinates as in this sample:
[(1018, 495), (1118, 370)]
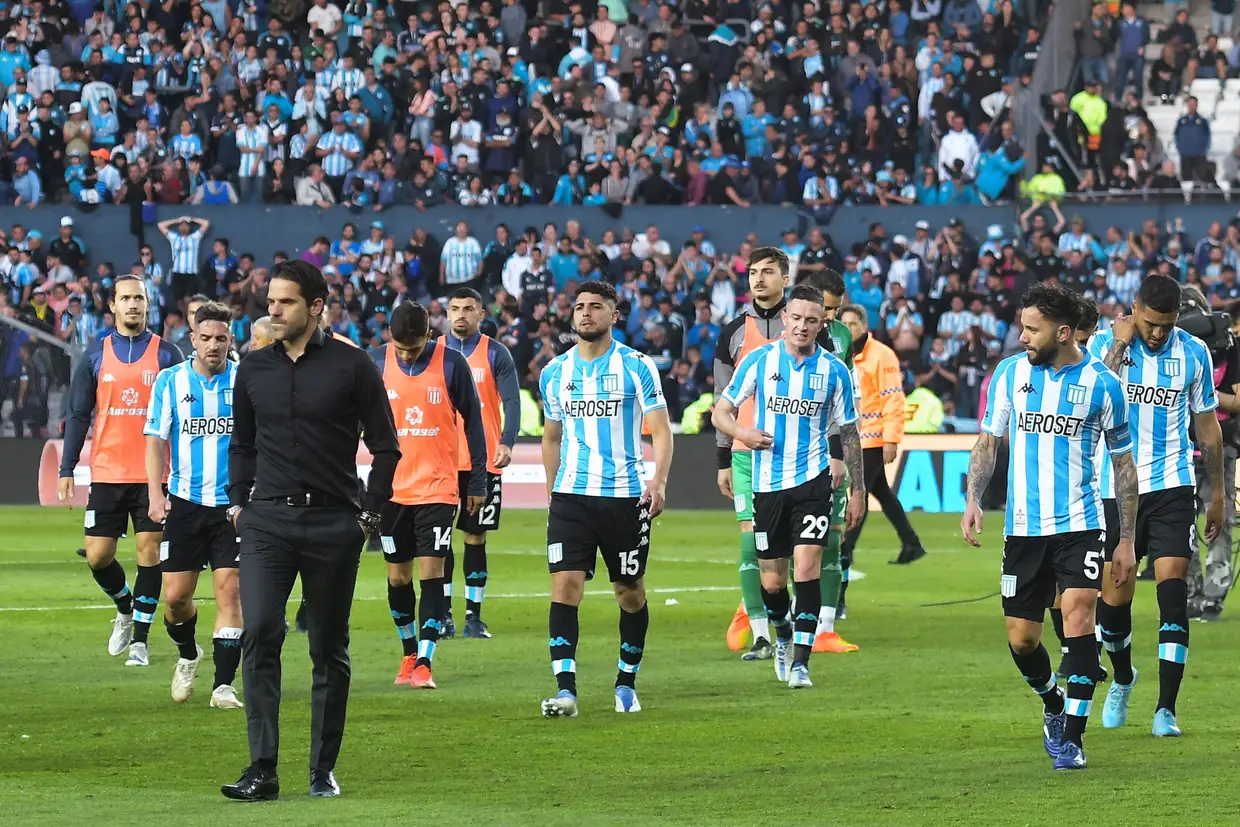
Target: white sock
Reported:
[(760, 626), (826, 620)]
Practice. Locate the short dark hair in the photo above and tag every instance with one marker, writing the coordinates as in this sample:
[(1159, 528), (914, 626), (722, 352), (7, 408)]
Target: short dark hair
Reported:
[(120, 278), (1089, 314), (763, 253), (212, 312), (1056, 303), (858, 311), (466, 293), (197, 298), (806, 292), (828, 281), (409, 323), (1160, 294), (306, 276), (597, 287)]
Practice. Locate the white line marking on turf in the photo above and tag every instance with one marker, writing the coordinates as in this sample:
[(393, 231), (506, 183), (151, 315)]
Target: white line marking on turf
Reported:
[(500, 596)]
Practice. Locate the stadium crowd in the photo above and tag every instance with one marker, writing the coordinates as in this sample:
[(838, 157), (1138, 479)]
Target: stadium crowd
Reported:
[(374, 104), (943, 298)]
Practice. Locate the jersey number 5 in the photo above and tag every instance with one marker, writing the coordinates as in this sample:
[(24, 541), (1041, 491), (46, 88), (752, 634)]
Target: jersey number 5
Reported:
[(815, 528), (1093, 564)]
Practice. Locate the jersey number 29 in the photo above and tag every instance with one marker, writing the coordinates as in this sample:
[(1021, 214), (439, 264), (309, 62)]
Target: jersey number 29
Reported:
[(815, 528)]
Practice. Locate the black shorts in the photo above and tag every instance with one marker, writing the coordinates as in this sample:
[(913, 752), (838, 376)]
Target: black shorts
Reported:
[(111, 505), (487, 517), (1166, 523), (409, 531), (797, 516), (197, 536), (1034, 566), (579, 526)]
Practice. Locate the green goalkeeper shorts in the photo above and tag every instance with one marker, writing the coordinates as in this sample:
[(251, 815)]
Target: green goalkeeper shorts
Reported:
[(742, 485), (839, 503)]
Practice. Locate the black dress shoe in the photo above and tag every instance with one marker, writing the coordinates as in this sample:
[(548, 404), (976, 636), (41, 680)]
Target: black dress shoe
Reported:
[(255, 784), (81, 552), (299, 622), (909, 555), (323, 784)]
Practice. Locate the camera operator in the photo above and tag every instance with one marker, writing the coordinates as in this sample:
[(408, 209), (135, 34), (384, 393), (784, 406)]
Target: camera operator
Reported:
[(1206, 594)]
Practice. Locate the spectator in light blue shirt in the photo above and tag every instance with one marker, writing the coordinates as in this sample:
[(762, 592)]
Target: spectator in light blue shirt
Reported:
[(27, 191), (870, 296)]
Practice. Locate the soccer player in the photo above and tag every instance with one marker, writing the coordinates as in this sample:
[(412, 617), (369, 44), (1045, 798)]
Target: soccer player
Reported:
[(763, 323), (113, 381), (431, 394), (495, 377), (190, 422), (882, 427), (1170, 384), (595, 397), (1084, 330), (837, 338), (1054, 403), (800, 392)]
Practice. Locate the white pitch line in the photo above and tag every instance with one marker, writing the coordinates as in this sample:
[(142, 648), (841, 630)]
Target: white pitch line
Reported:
[(500, 596)]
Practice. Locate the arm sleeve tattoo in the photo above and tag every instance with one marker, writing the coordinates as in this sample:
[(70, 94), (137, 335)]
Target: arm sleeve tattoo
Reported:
[(851, 440), (981, 465)]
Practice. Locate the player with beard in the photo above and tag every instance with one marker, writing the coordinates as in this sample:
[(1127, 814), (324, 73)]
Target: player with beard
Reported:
[(595, 398), (1055, 404), (1169, 381), (112, 383)]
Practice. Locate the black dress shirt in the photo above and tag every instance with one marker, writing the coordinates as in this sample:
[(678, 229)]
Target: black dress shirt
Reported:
[(296, 424)]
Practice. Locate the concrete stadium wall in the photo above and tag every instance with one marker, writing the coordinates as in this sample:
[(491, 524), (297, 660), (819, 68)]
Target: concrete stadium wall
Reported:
[(264, 230)]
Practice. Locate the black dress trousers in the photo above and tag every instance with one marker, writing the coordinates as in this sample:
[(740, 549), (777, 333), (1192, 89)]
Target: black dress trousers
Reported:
[(323, 545)]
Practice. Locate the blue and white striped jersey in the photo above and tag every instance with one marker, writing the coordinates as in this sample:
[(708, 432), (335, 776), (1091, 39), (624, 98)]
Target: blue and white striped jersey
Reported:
[(601, 403), (1164, 390), (185, 251), (194, 414), (1055, 420), (797, 404)]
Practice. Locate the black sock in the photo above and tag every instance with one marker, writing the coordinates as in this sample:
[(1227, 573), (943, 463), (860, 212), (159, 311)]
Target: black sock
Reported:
[(449, 568), (226, 653), (805, 624), (777, 605), (403, 605), (562, 624), (182, 635), (1035, 668), (475, 578), (1172, 640), (1116, 625), (111, 578), (146, 599), (1057, 622), (1081, 666), (430, 617), (633, 627)]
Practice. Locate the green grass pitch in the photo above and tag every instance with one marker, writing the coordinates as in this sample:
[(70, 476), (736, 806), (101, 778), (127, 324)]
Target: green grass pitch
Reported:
[(928, 725)]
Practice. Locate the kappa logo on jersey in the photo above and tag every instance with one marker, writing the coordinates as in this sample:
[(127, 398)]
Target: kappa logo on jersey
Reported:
[(793, 407), (1076, 394), (393, 394), (107, 377), (434, 396), (817, 381), (1049, 424), (1128, 363), (148, 377), (1171, 367), (1028, 388), (775, 377), (571, 387), (479, 375), (129, 396), (189, 399), (610, 384)]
